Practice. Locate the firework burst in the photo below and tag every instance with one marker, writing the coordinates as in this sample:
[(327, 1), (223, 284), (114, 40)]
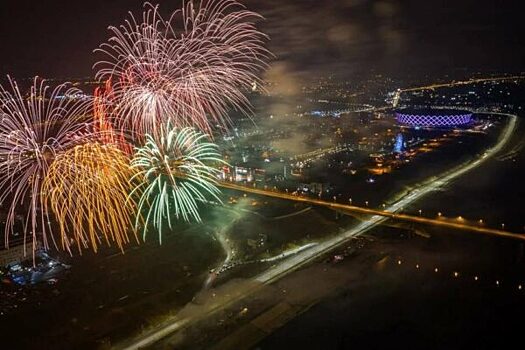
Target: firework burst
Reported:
[(34, 129), (87, 189), (188, 70), (174, 174)]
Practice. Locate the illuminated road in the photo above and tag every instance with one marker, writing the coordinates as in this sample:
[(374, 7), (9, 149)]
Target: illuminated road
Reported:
[(391, 212), (321, 152), (307, 256)]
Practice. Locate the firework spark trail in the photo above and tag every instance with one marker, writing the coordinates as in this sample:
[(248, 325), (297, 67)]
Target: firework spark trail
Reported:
[(173, 175), (33, 130), (189, 69), (87, 189), (102, 116)]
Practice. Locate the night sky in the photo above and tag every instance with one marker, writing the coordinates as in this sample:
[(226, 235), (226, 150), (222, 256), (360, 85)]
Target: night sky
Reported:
[(55, 38)]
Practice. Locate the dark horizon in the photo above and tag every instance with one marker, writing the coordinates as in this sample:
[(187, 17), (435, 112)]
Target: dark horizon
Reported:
[(55, 39)]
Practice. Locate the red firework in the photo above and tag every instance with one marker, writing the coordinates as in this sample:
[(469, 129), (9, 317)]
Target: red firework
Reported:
[(102, 115)]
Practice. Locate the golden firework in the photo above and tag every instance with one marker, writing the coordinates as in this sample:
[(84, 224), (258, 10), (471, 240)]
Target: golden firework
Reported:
[(87, 189)]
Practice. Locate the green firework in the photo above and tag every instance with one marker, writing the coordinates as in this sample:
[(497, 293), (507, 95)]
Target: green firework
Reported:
[(175, 173)]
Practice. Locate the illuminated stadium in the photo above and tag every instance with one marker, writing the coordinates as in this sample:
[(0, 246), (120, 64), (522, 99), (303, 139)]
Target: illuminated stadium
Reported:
[(433, 117)]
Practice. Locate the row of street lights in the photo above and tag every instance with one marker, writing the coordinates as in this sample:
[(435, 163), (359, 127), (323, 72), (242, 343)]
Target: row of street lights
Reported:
[(456, 274)]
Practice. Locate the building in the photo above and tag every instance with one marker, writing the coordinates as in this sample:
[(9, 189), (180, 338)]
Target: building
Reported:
[(433, 117)]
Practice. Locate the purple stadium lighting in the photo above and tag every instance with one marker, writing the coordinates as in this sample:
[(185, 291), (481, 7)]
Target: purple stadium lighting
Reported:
[(434, 118)]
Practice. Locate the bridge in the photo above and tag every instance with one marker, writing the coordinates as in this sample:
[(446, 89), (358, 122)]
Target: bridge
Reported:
[(441, 222), (392, 212)]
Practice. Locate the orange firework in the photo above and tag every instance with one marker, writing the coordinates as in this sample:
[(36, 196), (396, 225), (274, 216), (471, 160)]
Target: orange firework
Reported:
[(87, 189)]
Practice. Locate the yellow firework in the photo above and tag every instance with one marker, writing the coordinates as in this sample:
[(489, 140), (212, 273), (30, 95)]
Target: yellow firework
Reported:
[(87, 189)]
